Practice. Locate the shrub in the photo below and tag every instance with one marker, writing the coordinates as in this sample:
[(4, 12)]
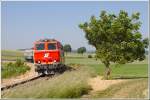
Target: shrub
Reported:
[(89, 56), (19, 63), (14, 69)]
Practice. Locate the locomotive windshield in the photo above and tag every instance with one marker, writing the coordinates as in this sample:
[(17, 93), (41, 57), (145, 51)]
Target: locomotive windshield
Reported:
[(51, 46), (40, 46)]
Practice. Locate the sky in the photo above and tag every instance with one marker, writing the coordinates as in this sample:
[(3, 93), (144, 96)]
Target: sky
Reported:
[(24, 22)]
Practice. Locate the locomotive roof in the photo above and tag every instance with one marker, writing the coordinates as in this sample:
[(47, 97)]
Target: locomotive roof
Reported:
[(47, 40)]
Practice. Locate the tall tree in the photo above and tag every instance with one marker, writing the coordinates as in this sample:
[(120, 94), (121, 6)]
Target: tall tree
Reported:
[(116, 38), (67, 48), (81, 50)]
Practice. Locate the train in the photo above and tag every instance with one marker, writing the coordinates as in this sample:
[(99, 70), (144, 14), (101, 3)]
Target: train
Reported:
[(28, 55), (48, 56)]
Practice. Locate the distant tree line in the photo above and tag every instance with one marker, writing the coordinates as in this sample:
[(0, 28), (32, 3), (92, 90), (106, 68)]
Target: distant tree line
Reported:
[(67, 48)]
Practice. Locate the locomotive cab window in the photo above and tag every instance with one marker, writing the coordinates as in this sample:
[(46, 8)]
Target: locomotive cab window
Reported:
[(40, 46), (51, 46)]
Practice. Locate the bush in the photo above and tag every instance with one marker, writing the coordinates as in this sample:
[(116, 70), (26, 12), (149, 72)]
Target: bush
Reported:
[(89, 56), (19, 63), (14, 69)]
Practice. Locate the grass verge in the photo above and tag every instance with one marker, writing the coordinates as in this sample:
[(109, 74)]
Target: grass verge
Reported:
[(130, 89), (14, 69), (70, 84)]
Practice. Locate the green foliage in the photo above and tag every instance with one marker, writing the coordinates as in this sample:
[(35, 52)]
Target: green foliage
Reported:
[(67, 48), (19, 62), (146, 42), (14, 69), (116, 37), (89, 56), (81, 50)]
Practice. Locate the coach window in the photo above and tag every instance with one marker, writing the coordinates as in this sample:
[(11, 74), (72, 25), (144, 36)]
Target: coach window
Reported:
[(51, 46), (61, 47), (40, 46)]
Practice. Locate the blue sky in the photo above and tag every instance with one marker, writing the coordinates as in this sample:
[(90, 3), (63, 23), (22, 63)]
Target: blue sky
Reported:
[(25, 22)]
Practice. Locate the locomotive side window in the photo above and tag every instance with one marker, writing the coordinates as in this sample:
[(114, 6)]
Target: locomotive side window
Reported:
[(51, 46), (40, 46)]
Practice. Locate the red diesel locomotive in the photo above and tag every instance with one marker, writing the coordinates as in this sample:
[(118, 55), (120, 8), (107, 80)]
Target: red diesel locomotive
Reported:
[(48, 55)]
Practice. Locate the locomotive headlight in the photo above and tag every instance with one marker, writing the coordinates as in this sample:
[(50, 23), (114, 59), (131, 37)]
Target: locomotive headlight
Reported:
[(54, 61), (39, 62)]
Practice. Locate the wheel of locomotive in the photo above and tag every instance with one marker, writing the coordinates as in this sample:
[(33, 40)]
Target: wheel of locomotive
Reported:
[(40, 71), (50, 71), (61, 67), (64, 67)]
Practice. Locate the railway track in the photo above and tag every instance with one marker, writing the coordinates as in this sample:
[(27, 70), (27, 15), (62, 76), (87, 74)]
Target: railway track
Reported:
[(46, 77), (19, 83), (8, 86)]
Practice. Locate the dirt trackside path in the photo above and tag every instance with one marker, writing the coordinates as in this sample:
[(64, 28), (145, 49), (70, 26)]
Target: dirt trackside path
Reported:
[(98, 84), (137, 88), (119, 88), (29, 74)]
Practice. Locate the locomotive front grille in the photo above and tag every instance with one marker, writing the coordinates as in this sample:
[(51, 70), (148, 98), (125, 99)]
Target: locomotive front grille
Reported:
[(47, 66)]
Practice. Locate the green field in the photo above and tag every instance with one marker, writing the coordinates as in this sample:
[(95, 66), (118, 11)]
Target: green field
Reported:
[(11, 55), (135, 69)]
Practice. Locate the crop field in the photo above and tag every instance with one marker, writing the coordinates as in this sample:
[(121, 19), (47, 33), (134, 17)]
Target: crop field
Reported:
[(130, 70), (11, 55), (74, 84)]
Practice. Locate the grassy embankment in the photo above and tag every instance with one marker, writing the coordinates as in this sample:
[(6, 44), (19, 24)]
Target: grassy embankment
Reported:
[(137, 88), (71, 84), (12, 69)]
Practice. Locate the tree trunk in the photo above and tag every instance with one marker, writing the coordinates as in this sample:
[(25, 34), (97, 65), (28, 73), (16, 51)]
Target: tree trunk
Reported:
[(107, 70)]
